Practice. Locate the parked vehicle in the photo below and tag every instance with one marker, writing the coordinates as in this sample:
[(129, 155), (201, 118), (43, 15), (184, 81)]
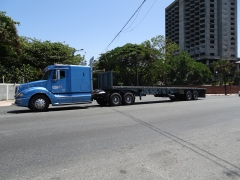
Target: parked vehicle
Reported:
[(72, 84)]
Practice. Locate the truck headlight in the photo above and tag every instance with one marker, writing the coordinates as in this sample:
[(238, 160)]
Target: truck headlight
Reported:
[(20, 94)]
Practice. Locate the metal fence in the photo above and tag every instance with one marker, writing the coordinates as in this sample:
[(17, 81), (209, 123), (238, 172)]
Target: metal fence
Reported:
[(7, 91)]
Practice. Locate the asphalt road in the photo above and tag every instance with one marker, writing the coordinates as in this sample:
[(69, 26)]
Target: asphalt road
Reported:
[(153, 139)]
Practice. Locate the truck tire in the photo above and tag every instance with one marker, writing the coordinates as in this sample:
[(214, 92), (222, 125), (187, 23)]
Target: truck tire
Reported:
[(128, 99), (115, 99), (195, 95), (188, 95), (101, 102), (39, 103)]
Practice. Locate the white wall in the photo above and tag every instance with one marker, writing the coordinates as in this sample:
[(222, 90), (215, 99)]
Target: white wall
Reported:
[(7, 91)]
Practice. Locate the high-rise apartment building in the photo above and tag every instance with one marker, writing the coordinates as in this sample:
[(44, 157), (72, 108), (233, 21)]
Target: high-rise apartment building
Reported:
[(207, 29)]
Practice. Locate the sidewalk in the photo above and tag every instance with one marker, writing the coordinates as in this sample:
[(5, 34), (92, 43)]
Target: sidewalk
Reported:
[(6, 102)]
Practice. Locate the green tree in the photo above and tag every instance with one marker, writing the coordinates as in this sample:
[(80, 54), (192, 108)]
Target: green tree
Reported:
[(128, 63), (10, 47), (24, 58), (161, 52), (224, 69), (183, 70), (154, 61), (40, 54), (9, 39)]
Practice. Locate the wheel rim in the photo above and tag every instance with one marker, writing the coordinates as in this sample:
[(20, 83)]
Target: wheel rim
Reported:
[(40, 103), (116, 100), (195, 95), (189, 95), (128, 99)]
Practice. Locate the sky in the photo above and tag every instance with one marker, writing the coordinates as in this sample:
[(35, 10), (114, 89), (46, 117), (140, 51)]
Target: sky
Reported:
[(90, 25)]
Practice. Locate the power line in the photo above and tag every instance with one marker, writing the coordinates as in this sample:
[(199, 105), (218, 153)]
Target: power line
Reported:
[(124, 25), (142, 18)]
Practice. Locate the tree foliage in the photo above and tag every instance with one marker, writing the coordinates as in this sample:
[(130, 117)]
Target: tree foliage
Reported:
[(9, 40), (224, 70), (40, 54), (23, 58), (129, 64), (183, 70), (155, 61)]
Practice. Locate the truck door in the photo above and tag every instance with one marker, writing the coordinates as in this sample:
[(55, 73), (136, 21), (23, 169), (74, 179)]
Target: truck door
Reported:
[(59, 86)]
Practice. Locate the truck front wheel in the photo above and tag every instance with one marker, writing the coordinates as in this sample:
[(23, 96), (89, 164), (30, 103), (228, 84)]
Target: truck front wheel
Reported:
[(115, 99), (39, 103)]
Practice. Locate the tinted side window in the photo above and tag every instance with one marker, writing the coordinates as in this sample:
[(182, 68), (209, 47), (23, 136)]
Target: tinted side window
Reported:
[(62, 74)]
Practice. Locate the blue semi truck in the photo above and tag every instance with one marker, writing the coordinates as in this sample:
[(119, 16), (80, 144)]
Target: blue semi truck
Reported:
[(72, 84)]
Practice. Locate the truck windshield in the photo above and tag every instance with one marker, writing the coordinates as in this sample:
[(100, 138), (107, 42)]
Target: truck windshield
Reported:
[(46, 75)]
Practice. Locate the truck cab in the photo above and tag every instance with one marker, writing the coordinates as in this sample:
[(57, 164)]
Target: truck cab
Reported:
[(60, 85)]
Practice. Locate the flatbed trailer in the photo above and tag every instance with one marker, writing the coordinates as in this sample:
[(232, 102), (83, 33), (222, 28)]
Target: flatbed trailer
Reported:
[(110, 94)]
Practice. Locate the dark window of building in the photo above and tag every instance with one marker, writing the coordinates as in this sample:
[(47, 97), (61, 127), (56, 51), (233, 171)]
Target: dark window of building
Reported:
[(232, 43), (212, 47), (211, 54), (232, 55)]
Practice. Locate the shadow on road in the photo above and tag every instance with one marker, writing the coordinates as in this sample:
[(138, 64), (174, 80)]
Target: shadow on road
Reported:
[(88, 106)]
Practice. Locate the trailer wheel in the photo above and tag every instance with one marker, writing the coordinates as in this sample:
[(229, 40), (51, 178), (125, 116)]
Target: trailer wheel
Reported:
[(188, 95), (115, 99), (195, 95), (128, 99), (101, 102), (39, 103)]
